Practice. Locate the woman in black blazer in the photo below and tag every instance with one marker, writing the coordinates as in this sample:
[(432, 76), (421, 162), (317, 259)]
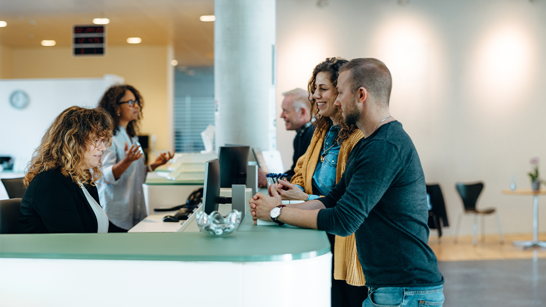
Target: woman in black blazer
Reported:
[(61, 195)]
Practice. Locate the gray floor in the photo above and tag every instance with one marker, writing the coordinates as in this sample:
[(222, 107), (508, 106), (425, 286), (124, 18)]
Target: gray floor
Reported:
[(520, 283)]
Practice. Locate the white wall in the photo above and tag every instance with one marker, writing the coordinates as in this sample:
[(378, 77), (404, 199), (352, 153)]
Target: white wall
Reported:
[(22, 130), (468, 85)]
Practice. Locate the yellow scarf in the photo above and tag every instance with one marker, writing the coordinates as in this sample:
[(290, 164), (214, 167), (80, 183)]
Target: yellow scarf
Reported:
[(346, 264)]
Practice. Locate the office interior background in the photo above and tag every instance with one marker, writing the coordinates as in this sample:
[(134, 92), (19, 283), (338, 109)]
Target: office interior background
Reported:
[(468, 77)]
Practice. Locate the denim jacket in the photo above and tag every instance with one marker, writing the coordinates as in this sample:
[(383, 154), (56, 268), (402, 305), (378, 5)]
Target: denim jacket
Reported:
[(324, 178)]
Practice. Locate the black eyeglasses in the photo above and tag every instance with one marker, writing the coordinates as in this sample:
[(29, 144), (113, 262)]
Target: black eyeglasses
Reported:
[(131, 103)]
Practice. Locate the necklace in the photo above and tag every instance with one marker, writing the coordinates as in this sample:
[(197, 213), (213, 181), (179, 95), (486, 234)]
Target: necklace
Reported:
[(384, 119), (325, 152)]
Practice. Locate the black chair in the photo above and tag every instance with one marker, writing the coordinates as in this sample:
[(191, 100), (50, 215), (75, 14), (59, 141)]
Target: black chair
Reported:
[(438, 214), (10, 211), (14, 186), (469, 194)]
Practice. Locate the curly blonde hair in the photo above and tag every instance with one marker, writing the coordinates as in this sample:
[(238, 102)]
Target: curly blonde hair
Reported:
[(65, 143), (331, 66)]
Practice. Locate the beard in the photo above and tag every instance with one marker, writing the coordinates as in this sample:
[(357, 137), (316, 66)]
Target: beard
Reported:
[(352, 117)]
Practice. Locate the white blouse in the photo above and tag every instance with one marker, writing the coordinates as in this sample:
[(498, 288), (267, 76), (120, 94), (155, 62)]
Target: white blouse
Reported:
[(102, 219), (122, 199)]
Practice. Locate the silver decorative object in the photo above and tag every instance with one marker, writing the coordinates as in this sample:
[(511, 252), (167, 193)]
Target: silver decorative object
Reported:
[(217, 225)]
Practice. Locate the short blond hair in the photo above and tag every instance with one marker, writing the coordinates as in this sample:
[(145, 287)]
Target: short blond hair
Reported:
[(300, 98)]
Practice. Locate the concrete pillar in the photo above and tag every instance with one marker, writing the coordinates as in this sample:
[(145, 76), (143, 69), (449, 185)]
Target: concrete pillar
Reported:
[(244, 72)]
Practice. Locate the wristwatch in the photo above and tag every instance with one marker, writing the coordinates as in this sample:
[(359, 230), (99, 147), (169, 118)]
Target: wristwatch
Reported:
[(275, 213)]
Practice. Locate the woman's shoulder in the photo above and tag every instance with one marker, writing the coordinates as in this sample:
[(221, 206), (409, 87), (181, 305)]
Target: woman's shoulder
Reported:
[(50, 179), (355, 136)]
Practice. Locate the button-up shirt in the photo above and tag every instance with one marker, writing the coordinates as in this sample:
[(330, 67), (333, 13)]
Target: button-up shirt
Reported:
[(122, 199), (324, 177)]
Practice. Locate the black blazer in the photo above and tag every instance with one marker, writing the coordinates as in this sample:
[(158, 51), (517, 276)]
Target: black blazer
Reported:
[(53, 203)]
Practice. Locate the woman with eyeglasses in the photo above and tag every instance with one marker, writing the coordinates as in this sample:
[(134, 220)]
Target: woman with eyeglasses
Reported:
[(61, 195), (120, 189)]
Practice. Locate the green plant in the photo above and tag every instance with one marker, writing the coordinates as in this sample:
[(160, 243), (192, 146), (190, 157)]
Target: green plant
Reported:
[(534, 174)]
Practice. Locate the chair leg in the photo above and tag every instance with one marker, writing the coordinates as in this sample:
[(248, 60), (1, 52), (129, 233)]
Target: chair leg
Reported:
[(457, 229), (475, 236), (438, 227), (499, 228), (483, 228)]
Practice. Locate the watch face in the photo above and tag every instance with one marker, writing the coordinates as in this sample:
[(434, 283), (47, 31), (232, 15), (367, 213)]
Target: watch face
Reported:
[(275, 212), (19, 99)]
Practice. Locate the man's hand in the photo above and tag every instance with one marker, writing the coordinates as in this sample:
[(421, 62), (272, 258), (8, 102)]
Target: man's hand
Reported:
[(261, 205), (290, 191)]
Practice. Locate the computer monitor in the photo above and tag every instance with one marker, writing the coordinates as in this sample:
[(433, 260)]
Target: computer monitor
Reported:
[(258, 156), (233, 162), (211, 190)]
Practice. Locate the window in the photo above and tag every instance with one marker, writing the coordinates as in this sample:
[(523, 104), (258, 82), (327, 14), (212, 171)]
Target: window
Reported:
[(193, 107)]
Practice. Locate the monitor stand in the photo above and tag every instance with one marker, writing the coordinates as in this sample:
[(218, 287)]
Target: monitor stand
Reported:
[(238, 199)]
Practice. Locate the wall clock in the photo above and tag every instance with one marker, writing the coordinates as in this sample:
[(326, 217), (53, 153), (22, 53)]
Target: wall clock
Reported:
[(19, 99)]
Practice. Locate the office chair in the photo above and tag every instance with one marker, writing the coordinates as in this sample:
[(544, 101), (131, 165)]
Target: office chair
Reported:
[(438, 214), (14, 186), (10, 211), (469, 195)]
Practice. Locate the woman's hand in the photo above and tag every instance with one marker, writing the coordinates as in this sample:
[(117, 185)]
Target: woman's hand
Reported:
[(290, 191), (132, 153), (163, 158)]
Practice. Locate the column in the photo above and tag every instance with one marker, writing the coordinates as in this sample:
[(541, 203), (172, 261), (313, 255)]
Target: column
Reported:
[(244, 72)]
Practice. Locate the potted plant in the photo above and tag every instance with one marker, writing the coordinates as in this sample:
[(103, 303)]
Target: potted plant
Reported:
[(535, 179)]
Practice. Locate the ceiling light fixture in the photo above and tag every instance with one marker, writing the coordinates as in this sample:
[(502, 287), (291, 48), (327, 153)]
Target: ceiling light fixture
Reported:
[(174, 62), (3, 24), (134, 40), (101, 21), (207, 18), (48, 43)]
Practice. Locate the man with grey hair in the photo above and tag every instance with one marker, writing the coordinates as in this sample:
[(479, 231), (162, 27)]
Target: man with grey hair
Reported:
[(381, 197), (296, 112)]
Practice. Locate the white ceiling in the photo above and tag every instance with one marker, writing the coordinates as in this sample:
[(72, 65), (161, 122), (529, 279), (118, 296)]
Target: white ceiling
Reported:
[(157, 22)]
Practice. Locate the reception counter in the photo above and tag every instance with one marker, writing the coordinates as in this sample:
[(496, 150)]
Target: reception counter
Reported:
[(255, 266)]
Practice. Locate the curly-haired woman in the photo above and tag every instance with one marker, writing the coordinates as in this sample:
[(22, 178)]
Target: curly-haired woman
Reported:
[(320, 168), (120, 189), (61, 195)]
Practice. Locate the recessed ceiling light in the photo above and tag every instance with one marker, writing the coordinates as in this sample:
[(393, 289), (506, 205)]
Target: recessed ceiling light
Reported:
[(3, 24), (101, 21), (207, 18), (174, 62), (134, 40), (48, 43)]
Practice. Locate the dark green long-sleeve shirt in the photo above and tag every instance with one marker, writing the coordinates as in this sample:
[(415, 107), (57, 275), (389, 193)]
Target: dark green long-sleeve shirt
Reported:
[(382, 197)]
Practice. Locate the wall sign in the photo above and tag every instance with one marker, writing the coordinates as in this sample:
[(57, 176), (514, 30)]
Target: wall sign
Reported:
[(89, 40)]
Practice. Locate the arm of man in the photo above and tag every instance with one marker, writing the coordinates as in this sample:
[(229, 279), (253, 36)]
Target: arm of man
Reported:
[(349, 203), (301, 215)]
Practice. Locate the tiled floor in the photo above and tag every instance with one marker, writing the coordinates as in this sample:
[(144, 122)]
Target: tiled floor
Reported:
[(495, 283), (491, 274)]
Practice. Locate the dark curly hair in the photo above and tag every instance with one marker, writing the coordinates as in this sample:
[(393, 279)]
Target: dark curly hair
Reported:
[(64, 144), (110, 100), (330, 66)]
